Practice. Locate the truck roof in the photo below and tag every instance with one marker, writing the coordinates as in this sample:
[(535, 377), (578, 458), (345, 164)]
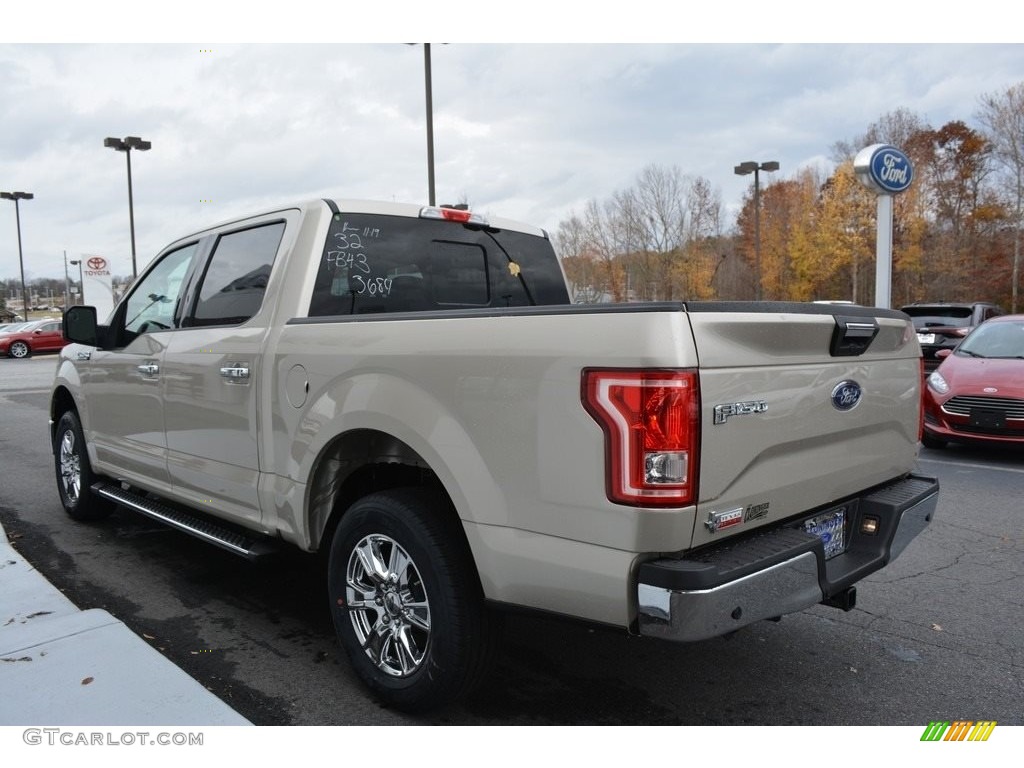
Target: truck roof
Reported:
[(410, 210)]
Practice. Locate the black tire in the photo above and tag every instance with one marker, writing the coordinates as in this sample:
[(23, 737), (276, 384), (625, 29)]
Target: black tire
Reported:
[(74, 473), (934, 443), (424, 591), (19, 350)]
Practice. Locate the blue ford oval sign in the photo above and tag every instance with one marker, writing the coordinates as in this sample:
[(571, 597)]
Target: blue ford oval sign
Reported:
[(883, 168), (846, 395)]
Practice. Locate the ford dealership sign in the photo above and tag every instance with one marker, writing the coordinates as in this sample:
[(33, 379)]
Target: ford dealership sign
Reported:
[(884, 169)]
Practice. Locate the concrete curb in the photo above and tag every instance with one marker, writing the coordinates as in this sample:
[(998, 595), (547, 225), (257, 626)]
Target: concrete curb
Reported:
[(63, 666)]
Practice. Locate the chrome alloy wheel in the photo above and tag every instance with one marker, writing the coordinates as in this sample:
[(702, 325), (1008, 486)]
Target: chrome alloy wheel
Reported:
[(388, 606), (70, 467), (18, 350)]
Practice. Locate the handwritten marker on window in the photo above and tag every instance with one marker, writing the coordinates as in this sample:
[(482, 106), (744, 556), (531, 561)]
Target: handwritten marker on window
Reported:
[(513, 269)]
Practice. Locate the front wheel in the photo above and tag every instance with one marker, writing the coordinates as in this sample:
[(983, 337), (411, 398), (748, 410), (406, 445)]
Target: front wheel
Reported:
[(74, 473), (18, 350), (406, 600), (934, 443)]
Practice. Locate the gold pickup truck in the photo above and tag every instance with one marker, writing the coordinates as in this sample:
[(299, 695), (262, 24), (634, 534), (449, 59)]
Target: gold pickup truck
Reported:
[(410, 390)]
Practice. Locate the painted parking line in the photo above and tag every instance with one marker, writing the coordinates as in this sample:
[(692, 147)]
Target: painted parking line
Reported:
[(972, 465)]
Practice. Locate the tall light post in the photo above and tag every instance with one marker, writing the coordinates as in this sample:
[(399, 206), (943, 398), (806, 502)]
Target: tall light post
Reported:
[(742, 170), (430, 124), (67, 283), (126, 145), (16, 196), (431, 197)]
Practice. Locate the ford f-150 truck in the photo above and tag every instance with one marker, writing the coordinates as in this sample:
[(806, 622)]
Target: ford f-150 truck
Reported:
[(410, 391)]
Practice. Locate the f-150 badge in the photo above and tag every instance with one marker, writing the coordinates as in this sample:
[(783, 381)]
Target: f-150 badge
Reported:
[(725, 410)]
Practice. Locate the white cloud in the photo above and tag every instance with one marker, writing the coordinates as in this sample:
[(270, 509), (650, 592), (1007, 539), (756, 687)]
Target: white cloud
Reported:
[(524, 131)]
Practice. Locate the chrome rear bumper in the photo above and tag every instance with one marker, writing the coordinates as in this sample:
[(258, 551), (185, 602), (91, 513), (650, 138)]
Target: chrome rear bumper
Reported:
[(771, 573)]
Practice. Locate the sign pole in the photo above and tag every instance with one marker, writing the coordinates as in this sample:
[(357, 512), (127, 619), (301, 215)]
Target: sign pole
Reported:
[(887, 172), (883, 253)]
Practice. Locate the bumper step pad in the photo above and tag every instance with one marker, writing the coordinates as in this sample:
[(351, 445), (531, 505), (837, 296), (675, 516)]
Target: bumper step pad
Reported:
[(718, 589)]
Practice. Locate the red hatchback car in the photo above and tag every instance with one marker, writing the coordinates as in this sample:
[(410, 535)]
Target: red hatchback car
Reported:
[(977, 392), (36, 336)]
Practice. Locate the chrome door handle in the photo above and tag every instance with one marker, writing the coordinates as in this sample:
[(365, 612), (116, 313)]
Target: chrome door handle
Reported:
[(149, 369), (235, 372)]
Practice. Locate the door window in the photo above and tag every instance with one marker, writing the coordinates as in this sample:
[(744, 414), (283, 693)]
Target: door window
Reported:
[(232, 289), (153, 302)]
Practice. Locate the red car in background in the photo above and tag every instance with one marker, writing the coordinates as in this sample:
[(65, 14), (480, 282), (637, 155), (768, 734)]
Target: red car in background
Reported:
[(36, 336), (977, 392)]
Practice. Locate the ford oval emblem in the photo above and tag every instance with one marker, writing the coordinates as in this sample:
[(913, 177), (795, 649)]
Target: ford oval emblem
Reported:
[(891, 169), (846, 395), (883, 169)]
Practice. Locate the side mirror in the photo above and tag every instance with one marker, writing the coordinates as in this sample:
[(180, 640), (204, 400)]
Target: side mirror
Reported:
[(942, 354), (79, 325)]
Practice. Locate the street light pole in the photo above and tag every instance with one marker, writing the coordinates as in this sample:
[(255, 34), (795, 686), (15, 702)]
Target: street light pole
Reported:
[(742, 170), (428, 84), (67, 282), (431, 197), (126, 145), (16, 196)]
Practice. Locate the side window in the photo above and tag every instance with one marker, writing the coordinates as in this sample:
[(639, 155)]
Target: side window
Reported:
[(236, 278), (154, 300)]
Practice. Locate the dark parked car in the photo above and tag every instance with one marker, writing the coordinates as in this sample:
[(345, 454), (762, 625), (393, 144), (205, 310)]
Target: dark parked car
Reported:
[(36, 336), (943, 326), (977, 392)]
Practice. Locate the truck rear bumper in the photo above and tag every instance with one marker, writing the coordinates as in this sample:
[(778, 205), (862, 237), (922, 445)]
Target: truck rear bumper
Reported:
[(718, 589)]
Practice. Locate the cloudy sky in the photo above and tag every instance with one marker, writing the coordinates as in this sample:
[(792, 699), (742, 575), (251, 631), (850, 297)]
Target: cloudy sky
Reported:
[(526, 130)]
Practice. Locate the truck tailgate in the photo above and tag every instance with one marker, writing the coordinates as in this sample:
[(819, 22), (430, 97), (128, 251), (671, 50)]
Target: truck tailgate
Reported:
[(802, 405)]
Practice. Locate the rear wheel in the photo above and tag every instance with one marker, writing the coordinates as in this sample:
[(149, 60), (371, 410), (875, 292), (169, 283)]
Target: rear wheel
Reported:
[(18, 350), (74, 473), (406, 600)]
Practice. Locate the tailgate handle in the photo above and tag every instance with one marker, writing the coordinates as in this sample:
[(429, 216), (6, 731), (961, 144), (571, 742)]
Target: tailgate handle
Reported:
[(852, 336)]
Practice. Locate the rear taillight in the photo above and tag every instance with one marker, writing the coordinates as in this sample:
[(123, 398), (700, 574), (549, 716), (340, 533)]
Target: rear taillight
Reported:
[(651, 421)]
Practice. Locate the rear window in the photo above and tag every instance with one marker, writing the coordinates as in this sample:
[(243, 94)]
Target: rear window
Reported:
[(956, 317), (373, 263)]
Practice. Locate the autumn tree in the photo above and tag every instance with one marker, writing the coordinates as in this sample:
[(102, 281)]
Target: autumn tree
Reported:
[(955, 161), (578, 261), (896, 128), (646, 241), (1002, 116), (845, 236)]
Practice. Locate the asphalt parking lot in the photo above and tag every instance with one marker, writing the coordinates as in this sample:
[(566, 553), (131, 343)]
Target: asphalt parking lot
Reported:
[(936, 635)]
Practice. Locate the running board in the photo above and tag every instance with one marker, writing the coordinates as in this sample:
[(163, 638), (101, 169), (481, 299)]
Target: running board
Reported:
[(235, 540)]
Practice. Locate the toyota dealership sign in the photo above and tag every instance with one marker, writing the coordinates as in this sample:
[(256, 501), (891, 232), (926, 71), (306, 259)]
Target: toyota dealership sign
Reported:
[(97, 265), (97, 284)]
